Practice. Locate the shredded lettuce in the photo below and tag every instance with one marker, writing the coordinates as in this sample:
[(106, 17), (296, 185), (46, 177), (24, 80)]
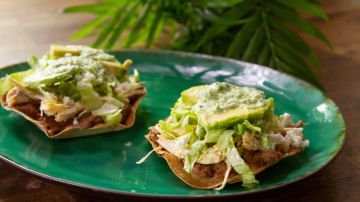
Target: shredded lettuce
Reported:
[(177, 146), (266, 144), (110, 111), (136, 77), (213, 135), (33, 62), (240, 129), (105, 109), (226, 140), (192, 154), (67, 88), (251, 127), (226, 143), (166, 129), (143, 159), (50, 76), (226, 176), (181, 121), (246, 125), (113, 118), (89, 97), (5, 83)]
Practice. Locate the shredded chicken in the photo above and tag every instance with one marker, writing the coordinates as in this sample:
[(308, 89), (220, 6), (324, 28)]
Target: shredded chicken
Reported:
[(16, 97), (69, 113), (130, 90), (251, 142), (88, 120)]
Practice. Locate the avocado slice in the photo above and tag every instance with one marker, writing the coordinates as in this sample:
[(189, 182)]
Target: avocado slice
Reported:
[(114, 67), (191, 95), (60, 51), (227, 118)]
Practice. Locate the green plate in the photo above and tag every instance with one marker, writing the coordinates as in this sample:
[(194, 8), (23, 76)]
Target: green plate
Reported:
[(107, 162)]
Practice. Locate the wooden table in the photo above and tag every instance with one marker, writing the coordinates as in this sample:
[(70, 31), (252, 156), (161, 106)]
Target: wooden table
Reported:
[(28, 27)]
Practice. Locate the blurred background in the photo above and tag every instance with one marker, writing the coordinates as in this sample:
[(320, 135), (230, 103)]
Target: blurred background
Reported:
[(264, 32), (318, 41)]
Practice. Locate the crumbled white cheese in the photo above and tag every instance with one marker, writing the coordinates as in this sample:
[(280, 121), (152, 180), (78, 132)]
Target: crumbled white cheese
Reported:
[(277, 138), (68, 101), (75, 122), (285, 120), (295, 136)]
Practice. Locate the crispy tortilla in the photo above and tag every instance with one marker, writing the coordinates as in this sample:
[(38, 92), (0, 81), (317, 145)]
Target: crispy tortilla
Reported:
[(73, 131), (201, 182)]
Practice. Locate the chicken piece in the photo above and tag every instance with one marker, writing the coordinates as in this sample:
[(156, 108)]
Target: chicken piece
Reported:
[(68, 113), (16, 97), (251, 142)]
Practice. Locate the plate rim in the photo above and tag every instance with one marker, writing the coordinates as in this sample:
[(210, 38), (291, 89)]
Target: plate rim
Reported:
[(341, 134)]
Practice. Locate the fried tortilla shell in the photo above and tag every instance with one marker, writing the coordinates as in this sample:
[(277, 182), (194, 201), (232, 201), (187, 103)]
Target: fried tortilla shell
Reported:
[(211, 176), (70, 130)]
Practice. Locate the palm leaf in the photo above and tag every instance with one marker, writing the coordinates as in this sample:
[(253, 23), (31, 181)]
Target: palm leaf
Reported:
[(154, 26), (107, 30), (121, 26), (240, 41), (232, 17), (292, 17), (262, 31), (87, 29), (218, 3), (265, 56), (305, 6), (254, 45), (139, 24), (98, 8), (284, 55), (291, 37)]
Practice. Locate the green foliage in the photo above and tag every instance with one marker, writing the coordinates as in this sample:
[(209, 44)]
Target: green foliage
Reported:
[(260, 31)]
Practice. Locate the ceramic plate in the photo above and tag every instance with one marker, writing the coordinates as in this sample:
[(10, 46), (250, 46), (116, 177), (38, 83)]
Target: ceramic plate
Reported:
[(107, 162)]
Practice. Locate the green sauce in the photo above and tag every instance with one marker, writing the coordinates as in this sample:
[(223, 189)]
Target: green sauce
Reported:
[(220, 97)]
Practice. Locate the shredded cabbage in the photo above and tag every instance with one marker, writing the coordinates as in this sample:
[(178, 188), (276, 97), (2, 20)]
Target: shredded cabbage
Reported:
[(226, 143), (89, 97), (113, 118), (192, 154), (5, 83), (266, 144), (213, 135), (176, 146), (226, 176), (249, 126)]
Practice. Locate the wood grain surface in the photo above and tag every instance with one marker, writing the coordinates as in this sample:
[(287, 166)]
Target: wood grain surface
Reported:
[(28, 27)]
